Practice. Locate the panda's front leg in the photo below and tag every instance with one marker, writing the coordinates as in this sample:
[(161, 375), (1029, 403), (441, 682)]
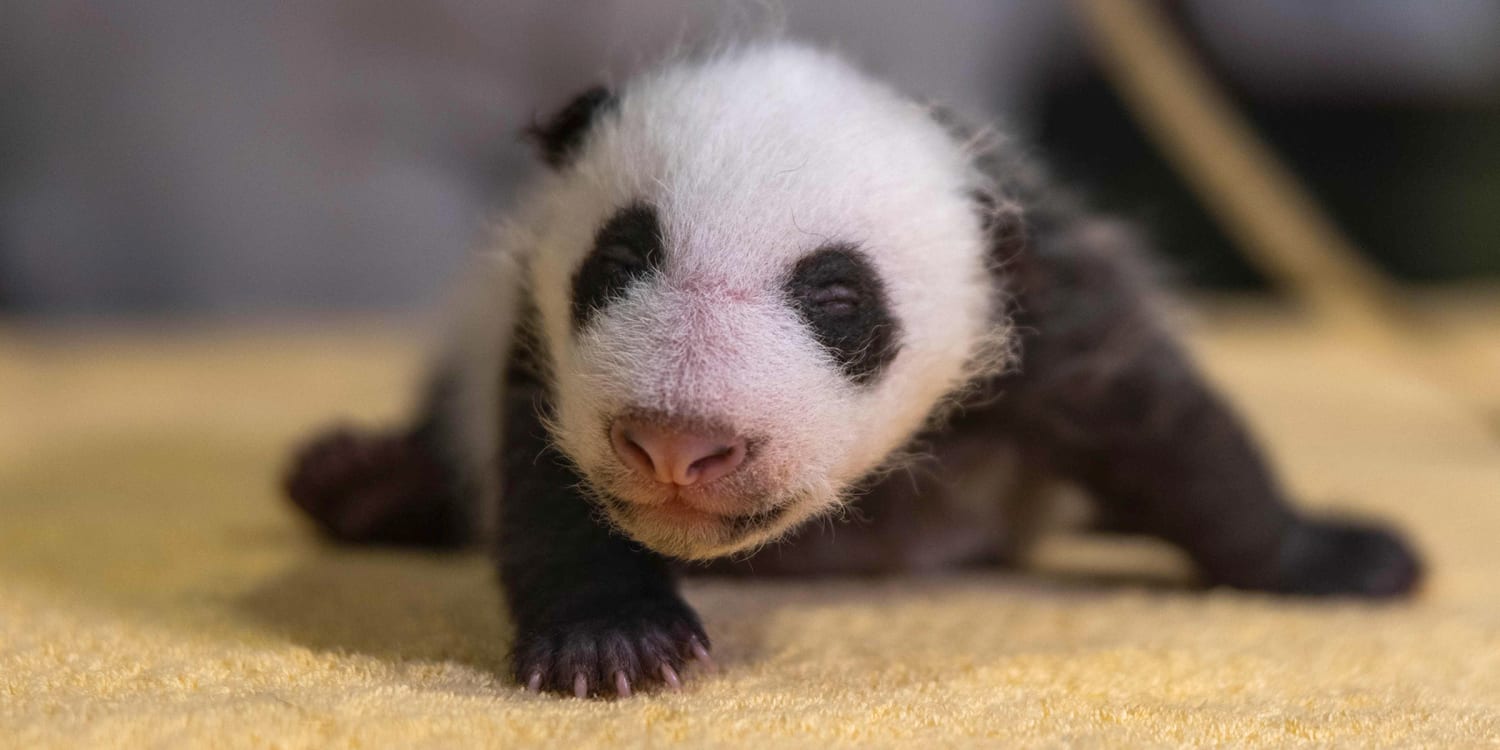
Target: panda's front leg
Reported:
[(595, 613)]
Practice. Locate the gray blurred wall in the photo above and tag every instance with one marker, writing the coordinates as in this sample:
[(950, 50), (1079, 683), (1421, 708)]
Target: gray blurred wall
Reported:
[(230, 157)]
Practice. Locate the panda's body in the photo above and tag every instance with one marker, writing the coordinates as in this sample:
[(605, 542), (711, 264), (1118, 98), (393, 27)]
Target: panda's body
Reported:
[(760, 287)]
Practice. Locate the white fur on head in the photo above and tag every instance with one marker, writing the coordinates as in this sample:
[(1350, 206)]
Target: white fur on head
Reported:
[(754, 158)]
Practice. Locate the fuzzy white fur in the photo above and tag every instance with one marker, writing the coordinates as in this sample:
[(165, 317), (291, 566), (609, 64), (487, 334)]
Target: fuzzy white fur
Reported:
[(753, 157)]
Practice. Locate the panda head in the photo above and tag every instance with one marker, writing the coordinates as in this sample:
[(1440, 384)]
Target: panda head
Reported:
[(756, 277)]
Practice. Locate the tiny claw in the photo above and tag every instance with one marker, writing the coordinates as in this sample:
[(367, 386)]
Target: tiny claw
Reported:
[(580, 686), (534, 683), (701, 654), (670, 675), (622, 685)]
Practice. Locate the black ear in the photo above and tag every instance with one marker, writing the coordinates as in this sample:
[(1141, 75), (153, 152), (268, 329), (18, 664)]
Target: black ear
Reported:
[(560, 136)]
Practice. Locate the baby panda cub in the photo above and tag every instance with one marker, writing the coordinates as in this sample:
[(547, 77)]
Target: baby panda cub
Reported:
[(748, 287)]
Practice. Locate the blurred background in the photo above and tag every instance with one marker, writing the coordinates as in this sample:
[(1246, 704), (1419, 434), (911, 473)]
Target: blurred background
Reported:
[(218, 158)]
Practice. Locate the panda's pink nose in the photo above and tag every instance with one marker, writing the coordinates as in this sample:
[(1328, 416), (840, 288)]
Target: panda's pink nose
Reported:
[(671, 454)]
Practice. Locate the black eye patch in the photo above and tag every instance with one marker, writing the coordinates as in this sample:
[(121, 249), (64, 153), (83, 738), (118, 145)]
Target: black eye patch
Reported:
[(626, 249), (841, 299)]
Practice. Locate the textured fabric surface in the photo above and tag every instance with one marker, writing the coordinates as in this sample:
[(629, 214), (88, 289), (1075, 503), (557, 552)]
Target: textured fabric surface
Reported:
[(154, 590)]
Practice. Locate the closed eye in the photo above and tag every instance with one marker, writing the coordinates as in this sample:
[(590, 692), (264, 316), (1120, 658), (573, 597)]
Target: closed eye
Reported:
[(622, 256), (835, 298), (627, 250), (840, 298)]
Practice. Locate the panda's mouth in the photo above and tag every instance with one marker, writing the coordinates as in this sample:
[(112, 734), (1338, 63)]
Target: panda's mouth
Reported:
[(677, 509), (680, 511), (682, 520)]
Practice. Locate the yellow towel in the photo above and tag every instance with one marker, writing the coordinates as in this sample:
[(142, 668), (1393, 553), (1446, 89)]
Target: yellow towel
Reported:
[(155, 590)]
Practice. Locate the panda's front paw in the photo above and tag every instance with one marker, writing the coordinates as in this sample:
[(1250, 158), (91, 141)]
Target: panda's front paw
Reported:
[(1326, 558), (611, 651)]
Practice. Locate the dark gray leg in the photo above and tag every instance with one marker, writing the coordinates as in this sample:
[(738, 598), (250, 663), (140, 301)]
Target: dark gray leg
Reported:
[(595, 612), (1105, 397), (384, 486)]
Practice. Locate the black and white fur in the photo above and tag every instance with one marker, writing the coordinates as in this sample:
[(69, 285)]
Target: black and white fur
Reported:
[(768, 244)]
